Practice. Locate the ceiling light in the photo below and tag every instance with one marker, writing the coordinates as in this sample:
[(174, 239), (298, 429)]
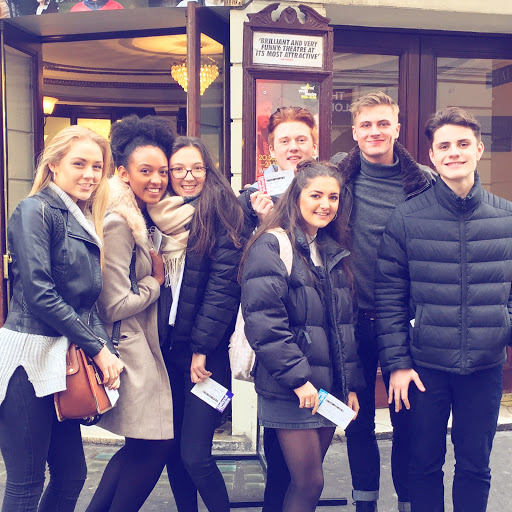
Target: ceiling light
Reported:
[(209, 71)]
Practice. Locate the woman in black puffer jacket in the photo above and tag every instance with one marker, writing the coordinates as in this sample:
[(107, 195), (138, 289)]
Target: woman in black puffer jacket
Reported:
[(301, 326), (202, 224)]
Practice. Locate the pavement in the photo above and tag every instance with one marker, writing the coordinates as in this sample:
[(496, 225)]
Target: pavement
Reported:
[(245, 479)]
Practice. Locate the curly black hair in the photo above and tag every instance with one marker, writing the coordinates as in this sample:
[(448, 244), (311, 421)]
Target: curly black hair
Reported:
[(133, 132)]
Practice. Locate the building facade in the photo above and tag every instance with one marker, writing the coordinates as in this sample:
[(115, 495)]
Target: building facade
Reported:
[(102, 65)]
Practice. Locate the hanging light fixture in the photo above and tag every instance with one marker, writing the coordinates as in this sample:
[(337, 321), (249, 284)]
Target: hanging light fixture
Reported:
[(49, 105), (209, 71)]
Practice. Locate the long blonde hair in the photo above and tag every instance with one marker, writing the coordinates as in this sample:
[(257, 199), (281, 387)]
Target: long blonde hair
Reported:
[(56, 150)]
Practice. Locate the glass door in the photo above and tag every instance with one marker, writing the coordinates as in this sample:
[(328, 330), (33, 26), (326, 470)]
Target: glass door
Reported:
[(21, 128), (484, 88), (372, 61), (474, 73)]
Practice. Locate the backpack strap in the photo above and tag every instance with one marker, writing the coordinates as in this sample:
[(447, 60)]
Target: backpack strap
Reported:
[(285, 247)]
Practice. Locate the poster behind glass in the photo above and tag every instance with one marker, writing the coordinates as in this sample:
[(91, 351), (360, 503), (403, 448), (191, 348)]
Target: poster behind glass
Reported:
[(13, 8), (271, 95)]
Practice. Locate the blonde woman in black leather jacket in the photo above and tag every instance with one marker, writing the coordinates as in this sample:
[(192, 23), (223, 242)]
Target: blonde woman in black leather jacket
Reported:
[(55, 241)]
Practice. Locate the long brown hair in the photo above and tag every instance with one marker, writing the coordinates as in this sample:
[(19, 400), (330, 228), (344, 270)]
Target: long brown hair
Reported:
[(216, 201), (287, 214)]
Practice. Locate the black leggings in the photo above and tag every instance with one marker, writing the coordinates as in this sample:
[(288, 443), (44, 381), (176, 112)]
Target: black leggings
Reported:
[(131, 475), (304, 452), (191, 466)]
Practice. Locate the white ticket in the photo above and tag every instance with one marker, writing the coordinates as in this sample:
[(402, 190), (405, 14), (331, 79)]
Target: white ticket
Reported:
[(213, 394), (113, 395), (277, 182), (335, 410)]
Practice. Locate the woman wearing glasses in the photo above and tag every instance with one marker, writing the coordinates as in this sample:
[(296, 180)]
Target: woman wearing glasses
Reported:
[(202, 224)]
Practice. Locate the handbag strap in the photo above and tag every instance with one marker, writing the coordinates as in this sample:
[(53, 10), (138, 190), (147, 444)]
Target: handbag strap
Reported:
[(134, 287)]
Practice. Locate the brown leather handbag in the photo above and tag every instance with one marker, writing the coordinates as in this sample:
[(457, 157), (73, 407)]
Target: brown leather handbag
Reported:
[(85, 395)]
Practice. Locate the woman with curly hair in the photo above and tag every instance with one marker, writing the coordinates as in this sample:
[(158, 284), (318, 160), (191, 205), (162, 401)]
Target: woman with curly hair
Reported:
[(202, 224), (133, 275)]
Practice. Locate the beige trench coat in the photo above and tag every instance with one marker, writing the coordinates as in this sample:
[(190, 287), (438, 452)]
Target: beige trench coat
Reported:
[(144, 408)]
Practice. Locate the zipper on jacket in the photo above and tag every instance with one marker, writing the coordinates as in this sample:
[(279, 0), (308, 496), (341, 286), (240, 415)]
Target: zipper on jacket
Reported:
[(338, 335), (463, 298), (89, 330), (418, 192)]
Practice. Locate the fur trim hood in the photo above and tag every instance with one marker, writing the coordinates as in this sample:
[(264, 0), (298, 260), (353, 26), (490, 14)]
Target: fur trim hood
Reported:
[(415, 177), (122, 201)]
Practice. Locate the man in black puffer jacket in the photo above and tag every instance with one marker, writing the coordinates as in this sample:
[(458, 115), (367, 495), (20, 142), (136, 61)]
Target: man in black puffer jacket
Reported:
[(378, 174), (444, 307)]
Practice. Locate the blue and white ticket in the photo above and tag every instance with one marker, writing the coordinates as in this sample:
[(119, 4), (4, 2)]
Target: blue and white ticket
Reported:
[(335, 410), (213, 394)]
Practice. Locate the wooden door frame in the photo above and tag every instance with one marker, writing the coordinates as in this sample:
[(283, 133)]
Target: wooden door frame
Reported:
[(30, 45), (287, 23)]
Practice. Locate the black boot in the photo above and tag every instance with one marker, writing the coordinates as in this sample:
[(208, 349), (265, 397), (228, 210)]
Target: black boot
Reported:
[(366, 506)]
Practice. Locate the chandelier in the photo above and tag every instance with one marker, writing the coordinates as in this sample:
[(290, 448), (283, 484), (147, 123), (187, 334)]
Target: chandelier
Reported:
[(209, 71)]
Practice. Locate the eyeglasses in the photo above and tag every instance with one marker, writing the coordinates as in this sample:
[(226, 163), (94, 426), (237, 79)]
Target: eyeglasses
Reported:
[(198, 171)]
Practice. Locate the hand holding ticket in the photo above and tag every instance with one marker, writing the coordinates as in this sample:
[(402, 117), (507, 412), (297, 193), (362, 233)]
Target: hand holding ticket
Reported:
[(335, 410), (213, 394), (275, 183)]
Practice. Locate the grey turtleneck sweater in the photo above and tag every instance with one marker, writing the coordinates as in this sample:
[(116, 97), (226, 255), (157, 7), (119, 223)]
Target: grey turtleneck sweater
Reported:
[(377, 191)]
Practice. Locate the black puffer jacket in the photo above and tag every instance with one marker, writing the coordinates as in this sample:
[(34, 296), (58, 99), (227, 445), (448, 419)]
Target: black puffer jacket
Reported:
[(446, 262), (301, 326), (56, 274), (209, 299)]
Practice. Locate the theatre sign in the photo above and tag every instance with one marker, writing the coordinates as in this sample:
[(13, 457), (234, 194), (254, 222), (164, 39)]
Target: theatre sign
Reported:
[(292, 50)]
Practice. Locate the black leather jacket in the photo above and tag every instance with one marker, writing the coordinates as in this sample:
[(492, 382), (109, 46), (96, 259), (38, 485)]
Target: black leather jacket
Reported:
[(56, 274)]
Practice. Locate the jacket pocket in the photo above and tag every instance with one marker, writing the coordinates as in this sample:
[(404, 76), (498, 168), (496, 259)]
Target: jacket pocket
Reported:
[(128, 336), (304, 342), (417, 325)]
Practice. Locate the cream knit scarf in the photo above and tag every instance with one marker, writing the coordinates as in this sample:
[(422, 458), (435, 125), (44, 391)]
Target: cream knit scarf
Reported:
[(172, 216)]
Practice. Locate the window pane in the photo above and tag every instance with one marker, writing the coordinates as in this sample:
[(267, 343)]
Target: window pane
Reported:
[(212, 110), (354, 76), (271, 95), (484, 88), (20, 125), (101, 126)]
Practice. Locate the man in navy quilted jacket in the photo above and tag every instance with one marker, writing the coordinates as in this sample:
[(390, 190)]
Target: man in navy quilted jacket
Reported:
[(444, 308)]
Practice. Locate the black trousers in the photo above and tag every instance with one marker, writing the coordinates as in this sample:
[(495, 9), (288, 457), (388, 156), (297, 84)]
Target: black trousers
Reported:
[(31, 436), (191, 467)]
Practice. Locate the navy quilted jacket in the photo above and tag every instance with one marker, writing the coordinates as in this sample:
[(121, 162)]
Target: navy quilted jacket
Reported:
[(301, 327), (445, 263)]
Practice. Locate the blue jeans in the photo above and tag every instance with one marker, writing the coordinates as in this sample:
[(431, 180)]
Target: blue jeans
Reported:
[(474, 401), (363, 451), (30, 436)]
